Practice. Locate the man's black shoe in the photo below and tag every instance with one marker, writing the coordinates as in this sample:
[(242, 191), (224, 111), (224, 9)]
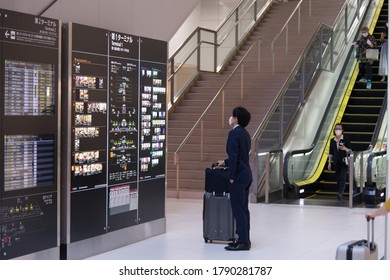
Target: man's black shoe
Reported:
[(235, 242), (239, 247)]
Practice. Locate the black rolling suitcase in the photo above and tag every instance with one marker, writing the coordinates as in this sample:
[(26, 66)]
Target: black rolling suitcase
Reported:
[(216, 179), (218, 221)]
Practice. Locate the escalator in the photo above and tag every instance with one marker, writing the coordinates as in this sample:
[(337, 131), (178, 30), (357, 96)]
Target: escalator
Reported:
[(360, 117)]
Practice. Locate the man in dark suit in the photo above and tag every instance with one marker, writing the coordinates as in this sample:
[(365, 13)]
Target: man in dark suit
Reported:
[(240, 176)]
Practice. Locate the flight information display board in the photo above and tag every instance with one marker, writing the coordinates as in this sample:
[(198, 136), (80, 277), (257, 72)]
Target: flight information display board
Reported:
[(30, 56), (117, 127), (29, 161), (28, 88)]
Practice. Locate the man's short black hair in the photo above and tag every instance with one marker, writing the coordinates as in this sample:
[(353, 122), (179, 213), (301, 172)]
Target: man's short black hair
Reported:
[(243, 116)]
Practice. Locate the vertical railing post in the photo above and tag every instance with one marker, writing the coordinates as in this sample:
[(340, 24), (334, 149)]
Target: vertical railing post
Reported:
[(273, 57), (258, 55), (299, 20), (198, 52), (303, 80), (361, 172), (201, 140), (351, 173), (242, 81), (255, 11), (223, 108), (267, 171), (331, 50), (172, 80), (286, 39), (346, 24), (237, 19), (321, 47), (281, 172), (357, 9), (177, 163), (215, 52), (281, 129)]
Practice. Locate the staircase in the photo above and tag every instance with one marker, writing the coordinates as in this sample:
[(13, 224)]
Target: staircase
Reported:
[(359, 120), (260, 90)]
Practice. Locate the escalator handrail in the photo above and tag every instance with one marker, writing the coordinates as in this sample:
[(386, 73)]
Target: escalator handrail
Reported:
[(374, 139), (369, 164), (309, 149), (324, 118), (380, 120), (284, 88)]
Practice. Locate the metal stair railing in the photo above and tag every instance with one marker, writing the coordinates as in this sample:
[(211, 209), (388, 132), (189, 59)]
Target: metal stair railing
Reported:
[(278, 119), (200, 122), (208, 50), (285, 27)]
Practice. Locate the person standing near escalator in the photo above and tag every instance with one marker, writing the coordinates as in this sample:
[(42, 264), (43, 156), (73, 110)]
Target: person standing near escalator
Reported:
[(366, 41), (383, 64), (340, 147), (240, 176)]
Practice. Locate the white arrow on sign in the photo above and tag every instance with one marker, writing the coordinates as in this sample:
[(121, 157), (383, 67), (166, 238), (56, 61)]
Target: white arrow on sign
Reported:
[(6, 34)]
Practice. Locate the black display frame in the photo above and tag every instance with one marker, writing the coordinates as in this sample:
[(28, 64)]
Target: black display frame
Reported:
[(122, 211), (30, 216)]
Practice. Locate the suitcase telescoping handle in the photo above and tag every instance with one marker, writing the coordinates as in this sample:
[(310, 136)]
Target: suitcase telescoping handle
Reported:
[(370, 240), (215, 166)]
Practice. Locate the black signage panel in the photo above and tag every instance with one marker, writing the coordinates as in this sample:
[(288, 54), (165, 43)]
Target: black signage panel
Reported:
[(123, 45), (154, 51), (29, 133), (152, 161), (123, 206), (29, 29), (153, 120), (87, 212), (123, 130), (88, 155), (123, 121), (151, 200), (118, 128), (89, 120), (89, 39), (123, 116), (28, 224)]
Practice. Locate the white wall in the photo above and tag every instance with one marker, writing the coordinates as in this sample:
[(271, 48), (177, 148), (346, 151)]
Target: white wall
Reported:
[(215, 11), (208, 14), (157, 19)]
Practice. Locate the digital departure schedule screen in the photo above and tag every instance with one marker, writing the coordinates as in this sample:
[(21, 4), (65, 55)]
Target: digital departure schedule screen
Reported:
[(28, 161), (28, 88)]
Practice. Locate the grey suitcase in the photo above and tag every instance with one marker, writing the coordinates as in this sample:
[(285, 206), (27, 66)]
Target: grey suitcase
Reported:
[(364, 249), (218, 221)]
